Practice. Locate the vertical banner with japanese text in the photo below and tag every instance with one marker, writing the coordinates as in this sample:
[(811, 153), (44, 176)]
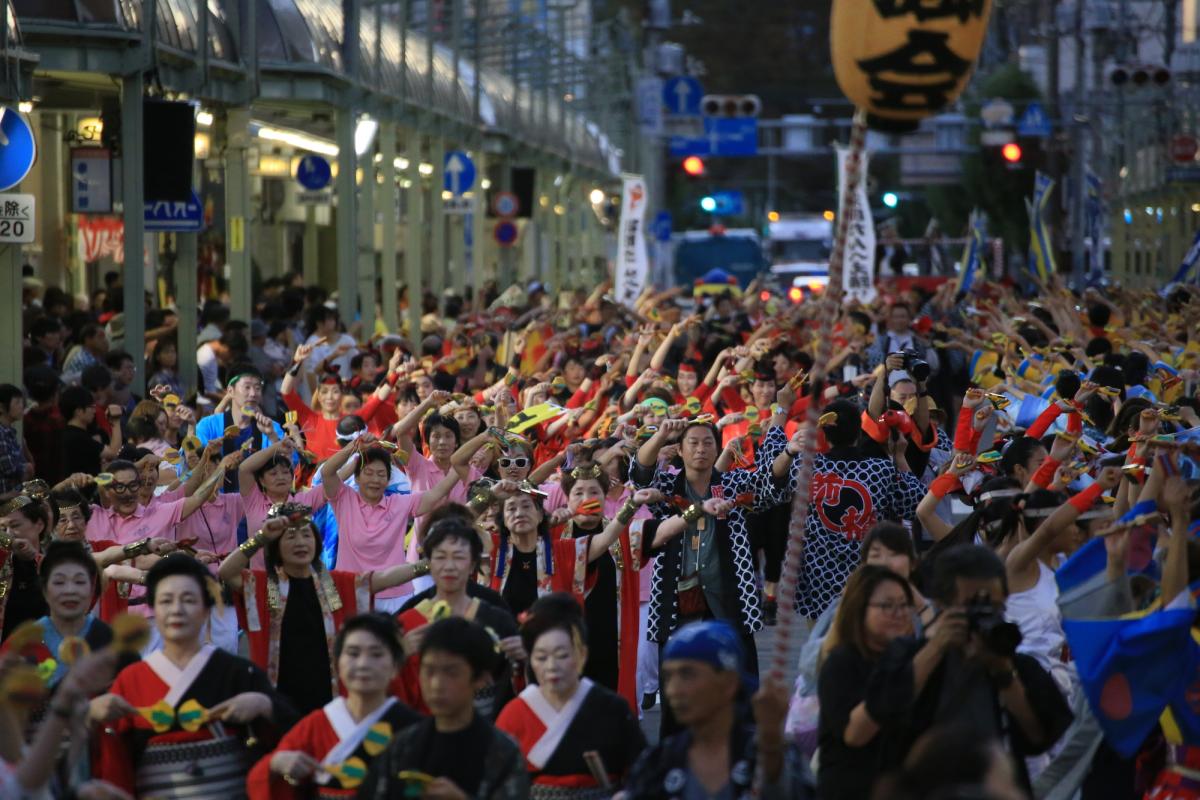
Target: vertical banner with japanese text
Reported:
[(633, 265), (858, 264)]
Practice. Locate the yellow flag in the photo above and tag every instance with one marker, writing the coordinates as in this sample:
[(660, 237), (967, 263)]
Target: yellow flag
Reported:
[(534, 415)]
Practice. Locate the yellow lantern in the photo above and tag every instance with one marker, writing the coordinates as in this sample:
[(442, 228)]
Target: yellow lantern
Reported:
[(904, 60)]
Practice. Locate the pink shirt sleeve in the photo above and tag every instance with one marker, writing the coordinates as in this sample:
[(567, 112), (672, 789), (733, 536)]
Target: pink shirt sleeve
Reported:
[(314, 497)]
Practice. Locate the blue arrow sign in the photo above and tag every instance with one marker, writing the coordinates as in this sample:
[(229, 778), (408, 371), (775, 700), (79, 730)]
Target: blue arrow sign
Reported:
[(169, 217), (681, 96), (458, 172), (737, 136), (1034, 122), (662, 226), (17, 148), (314, 172)]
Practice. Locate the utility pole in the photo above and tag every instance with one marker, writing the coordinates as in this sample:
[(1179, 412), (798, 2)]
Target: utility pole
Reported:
[(1080, 117), (1054, 159)]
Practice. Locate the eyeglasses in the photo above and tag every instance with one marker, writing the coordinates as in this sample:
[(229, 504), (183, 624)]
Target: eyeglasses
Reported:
[(892, 609), (124, 488), (520, 462)]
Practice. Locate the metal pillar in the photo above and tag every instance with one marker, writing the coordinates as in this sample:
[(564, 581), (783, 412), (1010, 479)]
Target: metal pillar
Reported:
[(387, 200), (186, 304), (414, 235), (312, 275), (475, 276), (366, 246), (437, 218), (50, 210), (237, 211), (134, 274), (347, 241)]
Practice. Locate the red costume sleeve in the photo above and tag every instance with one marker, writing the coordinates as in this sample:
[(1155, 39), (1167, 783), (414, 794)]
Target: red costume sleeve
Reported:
[(965, 430), (703, 392), (310, 735), (1045, 473), (1045, 419), (295, 403)]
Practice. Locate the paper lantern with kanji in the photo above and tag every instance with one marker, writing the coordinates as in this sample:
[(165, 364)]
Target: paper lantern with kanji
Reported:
[(904, 60)]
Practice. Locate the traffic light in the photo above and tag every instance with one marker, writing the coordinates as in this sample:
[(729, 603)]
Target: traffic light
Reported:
[(708, 204), (693, 166), (1012, 153), (891, 199)]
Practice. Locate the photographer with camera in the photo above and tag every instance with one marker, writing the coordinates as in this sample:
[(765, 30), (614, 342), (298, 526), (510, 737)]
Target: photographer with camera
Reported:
[(899, 337), (901, 387), (966, 669)]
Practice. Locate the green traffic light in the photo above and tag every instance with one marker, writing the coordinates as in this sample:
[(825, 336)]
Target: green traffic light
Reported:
[(708, 204)]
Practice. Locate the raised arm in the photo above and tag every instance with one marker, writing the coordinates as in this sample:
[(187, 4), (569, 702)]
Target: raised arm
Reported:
[(114, 441), (330, 477), (648, 453), (230, 571), (247, 485), (432, 498), (288, 385), (398, 575), (210, 484), (403, 429), (1025, 554)]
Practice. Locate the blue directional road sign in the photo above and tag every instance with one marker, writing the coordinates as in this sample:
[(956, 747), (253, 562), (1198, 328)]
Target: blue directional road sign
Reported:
[(314, 172), (681, 96), (1034, 122), (458, 172), (737, 136), (728, 203), (168, 217), (662, 226), (18, 149)]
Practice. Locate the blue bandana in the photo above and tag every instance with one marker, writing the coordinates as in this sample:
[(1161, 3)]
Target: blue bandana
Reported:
[(713, 642)]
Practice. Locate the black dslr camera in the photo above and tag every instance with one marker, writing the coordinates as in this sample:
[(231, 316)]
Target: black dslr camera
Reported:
[(915, 366), (999, 636)]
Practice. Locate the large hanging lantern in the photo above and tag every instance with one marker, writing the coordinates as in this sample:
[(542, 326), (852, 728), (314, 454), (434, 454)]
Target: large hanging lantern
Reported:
[(904, 60)]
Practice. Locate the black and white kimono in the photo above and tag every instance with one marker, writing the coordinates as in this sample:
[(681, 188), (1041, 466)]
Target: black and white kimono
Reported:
[(733, 542), (852, 489)]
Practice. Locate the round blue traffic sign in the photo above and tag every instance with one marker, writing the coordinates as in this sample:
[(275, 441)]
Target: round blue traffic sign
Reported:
[(313, 172), (505, 204), (18, 150), (505, 232)]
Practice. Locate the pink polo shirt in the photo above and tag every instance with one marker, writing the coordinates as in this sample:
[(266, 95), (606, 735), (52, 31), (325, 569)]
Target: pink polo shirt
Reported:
[(371, 537), (157, 519), (424, 474), (214, 525), (258, 504)]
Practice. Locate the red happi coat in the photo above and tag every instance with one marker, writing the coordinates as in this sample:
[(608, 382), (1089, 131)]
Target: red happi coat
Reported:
[(341, 594), (318, 734)]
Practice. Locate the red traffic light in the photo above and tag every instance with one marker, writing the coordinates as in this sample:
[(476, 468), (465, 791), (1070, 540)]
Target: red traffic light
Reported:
[(694, 166), (1011, 152)]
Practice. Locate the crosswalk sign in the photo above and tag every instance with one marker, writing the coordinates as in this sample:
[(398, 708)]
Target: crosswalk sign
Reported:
[(1034, 122)]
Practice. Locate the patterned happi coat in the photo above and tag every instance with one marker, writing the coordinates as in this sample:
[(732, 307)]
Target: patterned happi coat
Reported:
[(852, 489), (733, 542)]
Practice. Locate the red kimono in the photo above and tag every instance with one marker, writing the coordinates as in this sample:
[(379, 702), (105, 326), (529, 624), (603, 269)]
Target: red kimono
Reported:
[(170, 749), (344, 747), (262, 602), (561, 565)]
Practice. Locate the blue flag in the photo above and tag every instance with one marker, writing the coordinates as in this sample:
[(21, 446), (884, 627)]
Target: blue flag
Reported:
[(1041, 254), (972, 253), (1131, 670), (1189, 261)]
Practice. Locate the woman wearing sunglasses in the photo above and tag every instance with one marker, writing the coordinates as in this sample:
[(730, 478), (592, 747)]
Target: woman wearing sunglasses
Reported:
[(507, 457)]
